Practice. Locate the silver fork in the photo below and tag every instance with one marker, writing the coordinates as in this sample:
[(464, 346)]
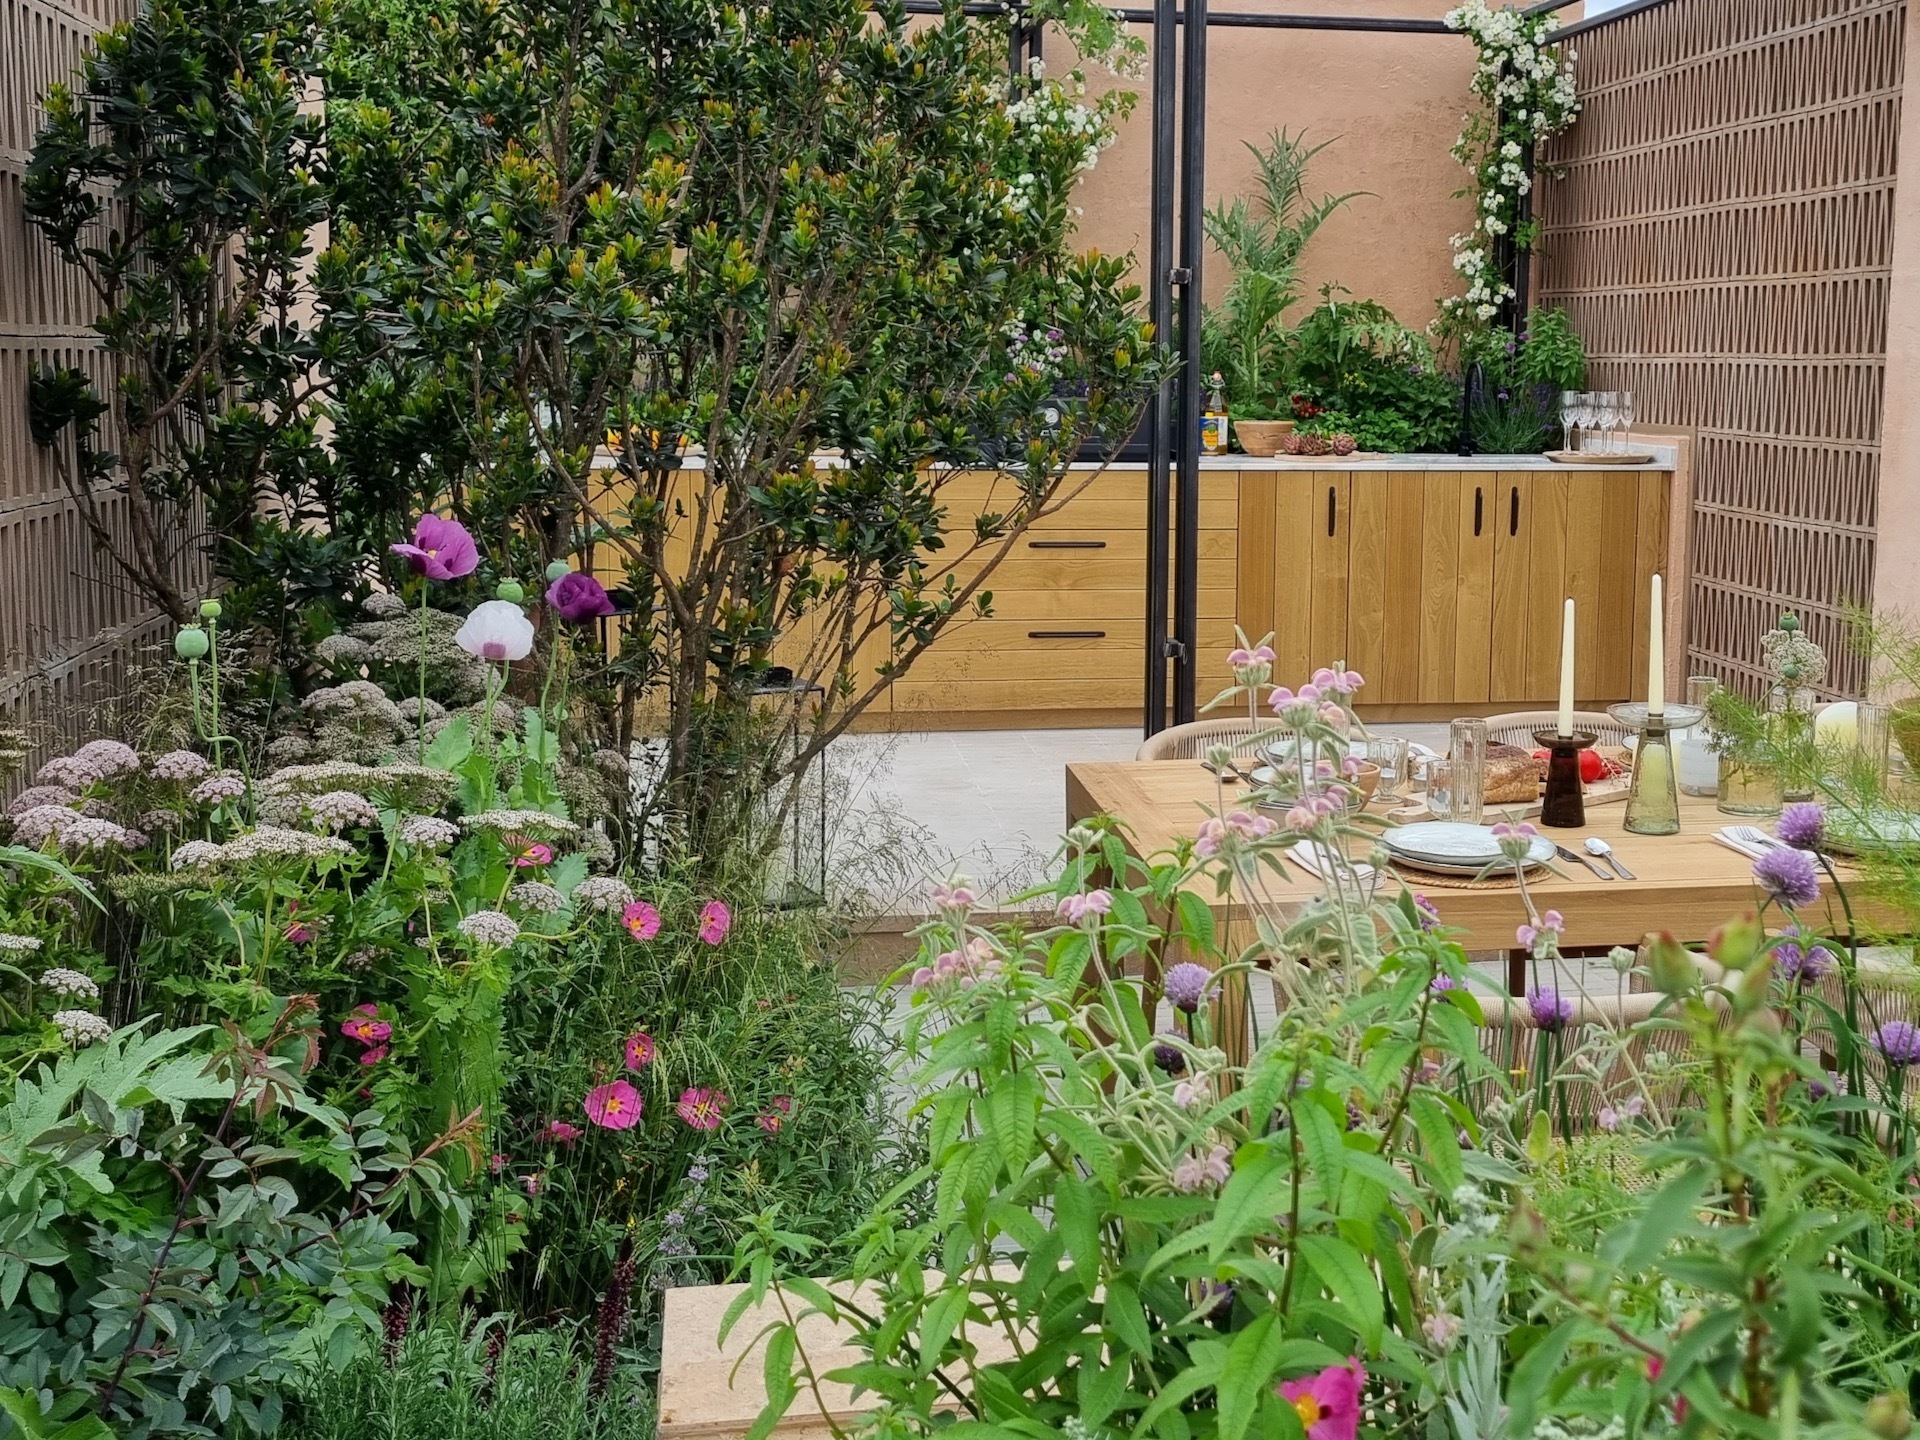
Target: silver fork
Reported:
[(1754, 835)]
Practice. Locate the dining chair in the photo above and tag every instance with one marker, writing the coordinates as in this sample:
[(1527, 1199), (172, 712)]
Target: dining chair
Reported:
[(1192, 740), (1518, 727)]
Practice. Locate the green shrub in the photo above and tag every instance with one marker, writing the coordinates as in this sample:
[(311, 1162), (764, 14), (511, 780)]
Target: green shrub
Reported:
[(452, 1379)]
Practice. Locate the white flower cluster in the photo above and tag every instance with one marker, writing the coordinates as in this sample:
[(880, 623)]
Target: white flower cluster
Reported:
[(536, 823), (427, 832), (1529, 89), (537, 897), (219, 787), (269, 843), (32, 828), (1048, 112), (603, 892), (81, 1028), (196, 855), (490, 927), (35, 796), (87, 834), (1039, 352), (18, 944), (71, 983), (180, 766), (338, 810), (340, 649)]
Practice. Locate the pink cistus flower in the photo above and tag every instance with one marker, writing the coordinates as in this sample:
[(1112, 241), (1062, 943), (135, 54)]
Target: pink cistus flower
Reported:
[(715, 921), (366, 1030), (640, 1050), (529, 854), (576, 597), (701, 1107), (641, 919), (441, 549), (1328, 1404), (775, 1115), (374, 1055), (562, 1133), (614, 1106)]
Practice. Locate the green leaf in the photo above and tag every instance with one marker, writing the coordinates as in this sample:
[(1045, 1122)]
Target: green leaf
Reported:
[(1196, 920), (1011, 1108), (1253, 1196), (451, 747), (23, 1408), (940, 1319), (1528, 1386), (777, 1371), (1103, 1383), (1437, 1133), (1642, 1240), (1345, 1273), (1251, 1361), (1075, 1217), (1123, 1315)]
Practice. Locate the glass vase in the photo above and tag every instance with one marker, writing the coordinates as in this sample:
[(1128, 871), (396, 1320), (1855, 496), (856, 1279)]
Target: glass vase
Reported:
[(1790, 712), (1748, 787), (1698, 764)]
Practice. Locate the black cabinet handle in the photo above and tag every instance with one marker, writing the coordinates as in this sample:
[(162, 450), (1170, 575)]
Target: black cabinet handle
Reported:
[(1333, 512), (1066, 634), (1479, 499), (1066, 544), (1513, 511)]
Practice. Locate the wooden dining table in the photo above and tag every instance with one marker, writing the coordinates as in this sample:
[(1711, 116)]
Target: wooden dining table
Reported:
[(1686, 884)]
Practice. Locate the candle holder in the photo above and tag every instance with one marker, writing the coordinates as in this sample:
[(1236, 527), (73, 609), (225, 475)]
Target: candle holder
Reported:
[(1565, 806), (1653, 797)]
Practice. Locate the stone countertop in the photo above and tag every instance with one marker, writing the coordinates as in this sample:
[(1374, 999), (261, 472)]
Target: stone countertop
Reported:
[(1665, 458)]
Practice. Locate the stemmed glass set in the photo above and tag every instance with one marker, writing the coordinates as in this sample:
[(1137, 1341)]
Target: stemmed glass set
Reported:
[(1598, 422)]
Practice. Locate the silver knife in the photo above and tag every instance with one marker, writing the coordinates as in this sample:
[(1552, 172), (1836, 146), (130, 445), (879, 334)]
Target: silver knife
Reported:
[(1566, 854)]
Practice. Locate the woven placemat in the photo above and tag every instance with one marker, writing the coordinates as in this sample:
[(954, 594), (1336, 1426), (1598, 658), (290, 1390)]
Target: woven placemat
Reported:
[(1417, 878)]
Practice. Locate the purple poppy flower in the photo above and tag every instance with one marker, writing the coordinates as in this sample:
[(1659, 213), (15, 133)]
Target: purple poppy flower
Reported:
[(1802, 825), (1788, 876), (578, 597), (441, 549), (1898, 1041), (1551, 1010), (1187, 985)]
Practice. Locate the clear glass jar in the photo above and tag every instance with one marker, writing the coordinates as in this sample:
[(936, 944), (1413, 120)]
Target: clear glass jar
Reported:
[(1699, 763), (1748, 787)]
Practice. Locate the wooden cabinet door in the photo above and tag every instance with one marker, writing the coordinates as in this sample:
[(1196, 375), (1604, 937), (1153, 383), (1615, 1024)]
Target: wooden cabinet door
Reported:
[(1456, 600), (1512, 550), (1385, 584), (1293, 563)]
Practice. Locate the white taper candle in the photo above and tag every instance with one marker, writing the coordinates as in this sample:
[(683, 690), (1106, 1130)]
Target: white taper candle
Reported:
[(1657, 655), (1565, 726)]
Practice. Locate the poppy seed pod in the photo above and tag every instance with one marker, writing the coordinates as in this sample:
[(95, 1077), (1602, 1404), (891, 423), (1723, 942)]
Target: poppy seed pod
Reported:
[(190, 642), (510, 591), (209, 609)]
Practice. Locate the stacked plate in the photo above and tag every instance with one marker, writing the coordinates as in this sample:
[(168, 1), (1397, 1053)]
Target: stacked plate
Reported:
[(1880, 831), (1452, 849)]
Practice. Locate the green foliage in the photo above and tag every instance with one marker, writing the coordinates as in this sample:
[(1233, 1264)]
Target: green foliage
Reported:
[(452, 1378), (189, 118), (763, 1021), (812, 228), (185, 1227), (1245, 338), (1361, 372)]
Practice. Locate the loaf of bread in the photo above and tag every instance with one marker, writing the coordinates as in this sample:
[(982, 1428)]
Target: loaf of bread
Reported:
[(1513, 776)]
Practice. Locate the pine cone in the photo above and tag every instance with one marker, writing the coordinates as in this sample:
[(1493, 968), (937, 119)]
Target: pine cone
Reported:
[(1344, 444)]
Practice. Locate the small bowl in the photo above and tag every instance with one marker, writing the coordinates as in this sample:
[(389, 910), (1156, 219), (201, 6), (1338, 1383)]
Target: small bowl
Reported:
[(1261, 437)]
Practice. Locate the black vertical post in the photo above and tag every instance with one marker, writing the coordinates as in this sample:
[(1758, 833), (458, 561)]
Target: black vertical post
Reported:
[(1160, 412), (1186, 509)]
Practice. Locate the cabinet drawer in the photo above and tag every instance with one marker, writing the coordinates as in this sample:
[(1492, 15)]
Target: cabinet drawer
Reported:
[(1059, 652), (1216, 603), (1122, 691)]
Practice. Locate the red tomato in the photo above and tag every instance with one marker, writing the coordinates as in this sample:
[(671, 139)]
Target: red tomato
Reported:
[(1593, 768)]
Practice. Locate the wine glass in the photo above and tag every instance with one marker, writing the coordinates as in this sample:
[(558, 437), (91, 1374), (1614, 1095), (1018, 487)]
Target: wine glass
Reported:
[(1626, 416), (1606, 413), (1570, 412)]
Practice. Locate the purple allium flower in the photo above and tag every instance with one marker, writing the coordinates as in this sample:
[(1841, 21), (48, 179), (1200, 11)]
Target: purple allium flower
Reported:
[(1169, 1058), (578, 597), (1799, 957), (1898, 1041), (1824, 1089), (1443, 983), (441, 549), (1802, 824), (1788, 876), (1187, 985), (1551, 1010)]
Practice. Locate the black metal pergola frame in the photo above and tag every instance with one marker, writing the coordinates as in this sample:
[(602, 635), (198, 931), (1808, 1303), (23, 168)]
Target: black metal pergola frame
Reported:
[(1179, 167)]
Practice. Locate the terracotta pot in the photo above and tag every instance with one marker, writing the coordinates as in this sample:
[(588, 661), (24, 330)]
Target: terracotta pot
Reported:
[(1261, 437)]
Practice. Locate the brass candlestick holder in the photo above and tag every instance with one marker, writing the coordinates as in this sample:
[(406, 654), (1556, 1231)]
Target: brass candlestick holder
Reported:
[(1565, 806), (1653, 797)]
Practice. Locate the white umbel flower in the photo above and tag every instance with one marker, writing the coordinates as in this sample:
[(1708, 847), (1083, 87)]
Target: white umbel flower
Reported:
[(490, 927), (70, 983), (81, 1028)]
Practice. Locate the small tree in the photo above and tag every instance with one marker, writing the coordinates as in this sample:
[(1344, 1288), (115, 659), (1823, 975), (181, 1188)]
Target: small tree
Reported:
[(180, 178), (762, 233)]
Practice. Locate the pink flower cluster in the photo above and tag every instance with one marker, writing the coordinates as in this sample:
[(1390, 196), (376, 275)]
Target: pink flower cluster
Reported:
[(1075, 908), (1337, 682), (1552, 923), (1303, 707), (1241, 658), (954, 894), (1306, 816), (1203, 1172), (971, 964), (1215, 832), (372, 1033)]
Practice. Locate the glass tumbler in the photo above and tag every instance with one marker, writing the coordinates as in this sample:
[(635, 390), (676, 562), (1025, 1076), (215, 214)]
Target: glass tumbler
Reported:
[(1389, 752), (1467, 752)]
